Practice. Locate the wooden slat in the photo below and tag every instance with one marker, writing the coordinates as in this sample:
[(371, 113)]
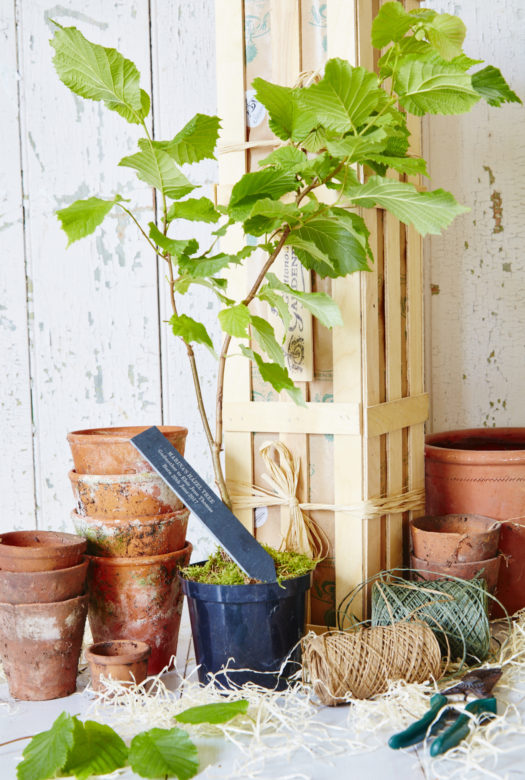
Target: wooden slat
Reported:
[(286, 40), (394, 415), (287, 417)]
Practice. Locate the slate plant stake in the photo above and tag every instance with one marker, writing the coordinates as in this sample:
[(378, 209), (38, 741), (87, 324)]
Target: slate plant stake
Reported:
[(328, 132)]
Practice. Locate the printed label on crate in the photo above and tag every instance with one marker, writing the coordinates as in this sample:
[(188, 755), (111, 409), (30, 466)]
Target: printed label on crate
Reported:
[(205, 504)]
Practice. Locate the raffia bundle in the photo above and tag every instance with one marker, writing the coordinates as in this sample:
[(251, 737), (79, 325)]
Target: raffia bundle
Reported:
[(361, 662)]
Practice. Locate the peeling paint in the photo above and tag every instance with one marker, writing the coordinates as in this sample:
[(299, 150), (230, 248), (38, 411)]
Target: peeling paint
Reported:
[(497, 211), (492, 178), (434, 289), (507, 267)]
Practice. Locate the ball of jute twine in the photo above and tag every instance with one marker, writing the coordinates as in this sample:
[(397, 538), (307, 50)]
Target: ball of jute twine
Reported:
[(361, 662)]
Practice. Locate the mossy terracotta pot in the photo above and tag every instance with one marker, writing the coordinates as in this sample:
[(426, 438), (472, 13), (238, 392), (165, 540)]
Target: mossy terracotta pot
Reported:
[(138, 598), (123, 495), (40, 550), (31, 587), (133, 536), (109, 451), (40, 646), (455, 538), (125, 660)]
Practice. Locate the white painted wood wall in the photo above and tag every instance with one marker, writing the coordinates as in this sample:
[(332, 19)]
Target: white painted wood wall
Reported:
[(82, 335)]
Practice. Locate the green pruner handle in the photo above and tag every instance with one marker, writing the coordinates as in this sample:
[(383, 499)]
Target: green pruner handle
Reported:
[(459, 730), (417, 731)]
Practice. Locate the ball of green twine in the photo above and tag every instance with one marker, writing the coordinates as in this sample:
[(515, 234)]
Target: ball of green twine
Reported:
[(456, 611)]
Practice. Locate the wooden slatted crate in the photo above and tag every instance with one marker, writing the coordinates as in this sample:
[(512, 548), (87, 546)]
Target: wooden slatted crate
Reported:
[(361, 434)]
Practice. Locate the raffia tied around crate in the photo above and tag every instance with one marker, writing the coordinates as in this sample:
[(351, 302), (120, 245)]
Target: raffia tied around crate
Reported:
[(302, 533), (361, 663)]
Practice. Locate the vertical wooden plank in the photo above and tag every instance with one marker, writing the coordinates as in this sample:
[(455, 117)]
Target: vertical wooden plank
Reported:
[(286, 41), (94, 332), (17, 489)]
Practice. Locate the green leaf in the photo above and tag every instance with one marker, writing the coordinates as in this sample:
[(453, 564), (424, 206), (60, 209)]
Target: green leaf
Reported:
[(264, 335), (191, 331), (155, 167), (434, 87), (429, 212), (82, 217), (213, 713), (358, 147), (390, 24), (267, 215), (276, 302), (195, 142), (261, 184), (97, 750), (164, 753), (276, 375), (174, 247), (310, 254), (288, 157), (412, 166), (235, 320), (446, 34), (321, 305), (194, 209), (46, 754), (285, 117), (97, 73), (490, 84), (344, 98), (207, 266)]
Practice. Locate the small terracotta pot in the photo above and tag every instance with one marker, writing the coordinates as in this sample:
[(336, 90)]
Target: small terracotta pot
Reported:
[(39, 587), (435, 570), (40, 646), (124, 660), (108, 450), (133, 536), (40, 550), (138, 598), (123, 495), (455, 538)]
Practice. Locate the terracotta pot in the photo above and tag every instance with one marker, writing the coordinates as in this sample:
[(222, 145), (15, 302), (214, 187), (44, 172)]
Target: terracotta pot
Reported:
[(40, 647), (455, 538), (108, 450), (138, 598), (133, 536), (125, 660), (435, 570), (31, 587), (482, 470), (123, 495), (40, 550)]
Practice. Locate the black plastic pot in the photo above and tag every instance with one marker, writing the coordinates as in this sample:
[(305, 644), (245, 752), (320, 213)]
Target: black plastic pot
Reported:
[(258, 626)]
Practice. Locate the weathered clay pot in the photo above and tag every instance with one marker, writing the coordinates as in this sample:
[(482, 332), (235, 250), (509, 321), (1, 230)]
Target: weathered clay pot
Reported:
[(455, 538), (108, 450), (40, 550), (123, 495), (482, 470), (138, 598), (125, 660), (31, 587), (435, 570), (133, 536), (40, 647)]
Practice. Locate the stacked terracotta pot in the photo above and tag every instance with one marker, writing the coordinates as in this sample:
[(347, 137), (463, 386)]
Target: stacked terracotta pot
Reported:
[(136, 532), (42, 612)]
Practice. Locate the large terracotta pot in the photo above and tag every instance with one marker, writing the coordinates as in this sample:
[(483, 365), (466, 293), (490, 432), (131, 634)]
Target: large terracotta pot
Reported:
[(123, 495), (133, 536), (40, 550), (455, 538), (40, 647), (138, 598), (482, 471), (108, 450), (31, 587)]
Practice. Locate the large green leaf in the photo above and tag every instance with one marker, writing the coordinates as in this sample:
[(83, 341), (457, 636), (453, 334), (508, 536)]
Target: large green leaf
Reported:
[(321, 305), (280, 102), (97, 750), (207, 266), (191, 331), (490, 84), (195, 210), (97, 73), (47, 752), (429, 212), (195, 142), (434, 86), (412, 166), (164, 753), (275, 300), (155, 167), (276, 375), (175, 247), (288, 157), (219, 712), (357, 147), (344, 98), (235, 320), (264, 335), (390, 24), (261, 184), (267, 215), (446, 34), (82, 217)]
